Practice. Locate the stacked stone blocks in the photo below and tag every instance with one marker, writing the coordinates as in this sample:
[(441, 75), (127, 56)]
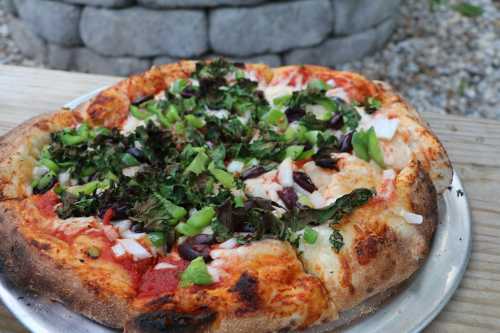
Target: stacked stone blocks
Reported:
[(121, 37)]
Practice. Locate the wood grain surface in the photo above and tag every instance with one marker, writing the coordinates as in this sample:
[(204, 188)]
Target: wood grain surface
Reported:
[(473, 145)]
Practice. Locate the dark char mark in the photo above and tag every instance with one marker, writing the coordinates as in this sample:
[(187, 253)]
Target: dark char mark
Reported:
[(247, 289), (174, 322)]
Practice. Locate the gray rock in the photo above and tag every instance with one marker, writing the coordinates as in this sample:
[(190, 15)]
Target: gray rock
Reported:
[(103, 3), (196, 3), (9, 7), (270, 28), (272, 60), (60, 57), (143, 32), (28, 42), (88, 61), (342, 49), (353, 16), (164, 60), (55, 21)]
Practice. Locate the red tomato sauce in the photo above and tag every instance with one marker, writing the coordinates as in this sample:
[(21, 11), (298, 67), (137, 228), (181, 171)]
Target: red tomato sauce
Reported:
[(135, 268), (300, 164), (162, 281), (46, 203)]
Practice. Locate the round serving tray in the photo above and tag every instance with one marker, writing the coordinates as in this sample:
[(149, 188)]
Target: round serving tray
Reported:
[(410, 309)]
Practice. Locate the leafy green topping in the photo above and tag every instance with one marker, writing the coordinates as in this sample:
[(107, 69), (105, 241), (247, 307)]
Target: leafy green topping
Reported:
[(176, 161), (366, 146), (310, 235), (336, 239), (372, 104), (337, 210)]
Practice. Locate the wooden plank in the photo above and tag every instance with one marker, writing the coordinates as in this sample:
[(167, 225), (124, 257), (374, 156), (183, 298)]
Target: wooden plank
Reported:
[(473, 146)]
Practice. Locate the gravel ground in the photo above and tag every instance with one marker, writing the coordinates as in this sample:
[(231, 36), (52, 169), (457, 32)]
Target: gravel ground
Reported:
[(440, 60)]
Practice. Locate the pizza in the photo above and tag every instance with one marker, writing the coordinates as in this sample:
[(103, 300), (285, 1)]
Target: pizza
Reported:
[(221, 197)]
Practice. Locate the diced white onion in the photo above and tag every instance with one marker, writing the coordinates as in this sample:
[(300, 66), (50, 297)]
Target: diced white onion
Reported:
[(285, 172), (385, 128), (118, 250), (412, 218), (110, 232), (317, 199), (64, 178), (229, 244), (214, 272), (138, 145), (164, 265), (275, 91), (235, 166), (389, 174), (195, 83), (132, 235), (338, 92), (122, 225), (245, 118), (40, 171), (131, 171), (214, 254), (317, 110), (207, 230), (221, 114), (251, 76), (131, 124), (135, 249)]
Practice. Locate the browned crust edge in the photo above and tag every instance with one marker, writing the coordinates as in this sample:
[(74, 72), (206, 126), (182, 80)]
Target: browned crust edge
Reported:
[(28, 268)]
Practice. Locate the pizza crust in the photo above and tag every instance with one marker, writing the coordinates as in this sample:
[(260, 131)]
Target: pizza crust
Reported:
[(20, 148)]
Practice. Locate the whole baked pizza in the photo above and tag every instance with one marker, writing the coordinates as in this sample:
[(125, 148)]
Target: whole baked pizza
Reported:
[(221, 197)]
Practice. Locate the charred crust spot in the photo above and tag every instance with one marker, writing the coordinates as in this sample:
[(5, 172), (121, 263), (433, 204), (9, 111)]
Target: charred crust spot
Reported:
[(366, 250), (171, 321), (247, 289), (40, 246), (160, 301)]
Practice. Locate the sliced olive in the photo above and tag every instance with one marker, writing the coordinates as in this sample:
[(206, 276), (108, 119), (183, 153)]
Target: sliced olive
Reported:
[(253, 172), (304, 181)]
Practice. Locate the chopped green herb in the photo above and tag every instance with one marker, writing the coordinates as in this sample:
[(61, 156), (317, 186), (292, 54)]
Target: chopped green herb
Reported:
[(201, 218), (196, 273), (199, 163), (187, 229), (310, 235), (139, 114), (372, 104), (157, 238), (337, 240)]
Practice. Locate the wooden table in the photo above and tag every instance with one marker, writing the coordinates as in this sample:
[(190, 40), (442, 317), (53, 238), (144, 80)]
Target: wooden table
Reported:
[(473, 145)]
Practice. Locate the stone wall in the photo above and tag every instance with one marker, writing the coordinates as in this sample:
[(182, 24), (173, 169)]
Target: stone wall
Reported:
[(126, 36)]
